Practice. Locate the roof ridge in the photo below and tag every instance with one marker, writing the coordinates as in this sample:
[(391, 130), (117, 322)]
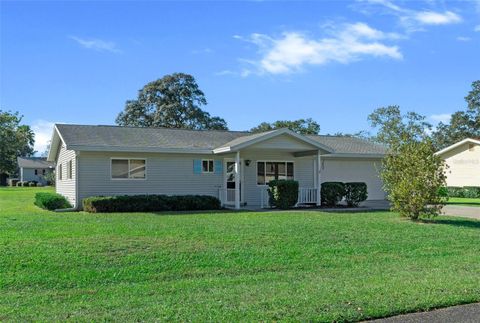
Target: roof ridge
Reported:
[(165, 128)]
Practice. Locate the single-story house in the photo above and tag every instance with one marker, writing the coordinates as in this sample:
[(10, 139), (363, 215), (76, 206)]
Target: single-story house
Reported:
[(234, 166), (463, 161), (34, 169)]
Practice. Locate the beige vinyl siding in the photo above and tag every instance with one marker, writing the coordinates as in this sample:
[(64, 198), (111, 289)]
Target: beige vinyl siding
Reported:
[(355, 170), (170, 174), (463, 165), (65, 186)]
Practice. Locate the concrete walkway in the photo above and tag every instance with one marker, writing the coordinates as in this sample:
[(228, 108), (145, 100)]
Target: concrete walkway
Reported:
[(469, 313), (472, 212)]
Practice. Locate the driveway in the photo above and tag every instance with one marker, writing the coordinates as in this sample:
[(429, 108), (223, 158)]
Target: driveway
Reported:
[(472, 212), (469, 313)]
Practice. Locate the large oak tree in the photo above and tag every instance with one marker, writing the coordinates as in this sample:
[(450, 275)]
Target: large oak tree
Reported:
[(174, 101)]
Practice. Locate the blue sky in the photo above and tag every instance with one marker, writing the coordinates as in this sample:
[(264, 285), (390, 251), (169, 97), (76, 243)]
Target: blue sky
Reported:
[(333, 61)]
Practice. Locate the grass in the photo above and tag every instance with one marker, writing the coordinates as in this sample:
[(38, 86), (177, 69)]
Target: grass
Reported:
[(464, 201), (228, 266)]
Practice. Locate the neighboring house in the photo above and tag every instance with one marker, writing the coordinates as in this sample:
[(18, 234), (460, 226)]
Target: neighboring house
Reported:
[(463, 161), (34, 169), (233, 166)]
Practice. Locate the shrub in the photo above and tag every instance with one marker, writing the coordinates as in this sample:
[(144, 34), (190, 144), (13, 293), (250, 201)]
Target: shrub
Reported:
[(39, 184), (14, 182), (19, 184), (471, 191), (455, 191), (32, 184), (51, 201), (332, 193), (443, 191), (283, 193), (150, 203), (355, 192)]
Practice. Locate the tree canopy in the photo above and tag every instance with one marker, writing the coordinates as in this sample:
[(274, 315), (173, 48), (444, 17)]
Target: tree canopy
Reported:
[(463, 124), (301, 126), (396, 128), (174, 101), (15, 140)]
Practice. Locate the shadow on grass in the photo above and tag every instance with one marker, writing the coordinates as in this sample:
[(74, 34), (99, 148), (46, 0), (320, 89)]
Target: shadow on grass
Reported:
[(458, 223)]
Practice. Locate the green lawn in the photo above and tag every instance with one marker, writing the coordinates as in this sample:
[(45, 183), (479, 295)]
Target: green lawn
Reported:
[(463, 201), (302, 266)]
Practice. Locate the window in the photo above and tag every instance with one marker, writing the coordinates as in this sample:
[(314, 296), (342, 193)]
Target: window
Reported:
[(267, 171), (128, 168), (60, 172), (43, 171), (36, 171), (207, 166), (69, 169)]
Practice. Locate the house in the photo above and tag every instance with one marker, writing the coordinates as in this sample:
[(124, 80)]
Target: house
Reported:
[(231, 165), (463, 161), (34, 169)]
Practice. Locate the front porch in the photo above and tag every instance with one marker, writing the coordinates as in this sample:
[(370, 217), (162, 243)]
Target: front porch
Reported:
[(280, 154)]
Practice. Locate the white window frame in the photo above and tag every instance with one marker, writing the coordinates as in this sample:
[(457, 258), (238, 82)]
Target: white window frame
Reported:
[(69, 169), (213, 166), (60, 172), (272, 161), (128, 178)]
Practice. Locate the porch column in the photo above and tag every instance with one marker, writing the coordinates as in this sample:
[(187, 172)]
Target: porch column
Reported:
[(318, 177), (237, 180)]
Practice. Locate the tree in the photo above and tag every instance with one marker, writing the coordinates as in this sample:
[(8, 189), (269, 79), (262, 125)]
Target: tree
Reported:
[(463, 124), (395, 127), (412, 174), (173, 101), (15, 140), (301, 126)]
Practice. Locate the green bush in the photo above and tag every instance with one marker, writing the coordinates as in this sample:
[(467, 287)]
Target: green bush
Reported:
[(150, 203), (32, 184), (51, 201), (19, 184), (443, 191), (332, 193), (471, 191), (39, 185), (355, 192), (283, 193), (455, 191)]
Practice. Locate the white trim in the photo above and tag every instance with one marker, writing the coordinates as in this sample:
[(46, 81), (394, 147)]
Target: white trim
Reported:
[(352, 155), (128, 178), (272, 161), (269, 135), (458, 144), (242, 177), (141, 149)]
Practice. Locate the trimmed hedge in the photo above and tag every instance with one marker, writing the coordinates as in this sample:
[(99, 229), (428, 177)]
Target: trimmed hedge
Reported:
[(283, 193), (150, 203), (332, 193), (466, 191), (51, 201), (355, 192)]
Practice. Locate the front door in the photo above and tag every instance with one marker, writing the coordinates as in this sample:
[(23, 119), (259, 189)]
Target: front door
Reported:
[(230, 181)]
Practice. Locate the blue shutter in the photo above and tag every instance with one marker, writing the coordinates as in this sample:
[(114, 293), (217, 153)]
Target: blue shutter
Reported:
[(197, 166), (218, 167)]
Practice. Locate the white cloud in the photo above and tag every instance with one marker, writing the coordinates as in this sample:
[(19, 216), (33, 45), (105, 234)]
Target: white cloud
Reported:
[(97, 44), (463, 38), (477, 28), (291, 51), (43, 134), (414, 20), (436, 18), (444, 117)]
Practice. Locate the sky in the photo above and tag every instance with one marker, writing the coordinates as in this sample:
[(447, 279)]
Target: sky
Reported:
[(333, 61)]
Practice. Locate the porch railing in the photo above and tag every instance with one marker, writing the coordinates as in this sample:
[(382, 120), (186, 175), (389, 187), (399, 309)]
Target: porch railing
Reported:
[(306, 195), (226, 195)]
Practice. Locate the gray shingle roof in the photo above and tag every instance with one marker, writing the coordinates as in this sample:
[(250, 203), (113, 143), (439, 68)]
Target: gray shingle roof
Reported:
[(350, 145), (34, 162), (116, 136)]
